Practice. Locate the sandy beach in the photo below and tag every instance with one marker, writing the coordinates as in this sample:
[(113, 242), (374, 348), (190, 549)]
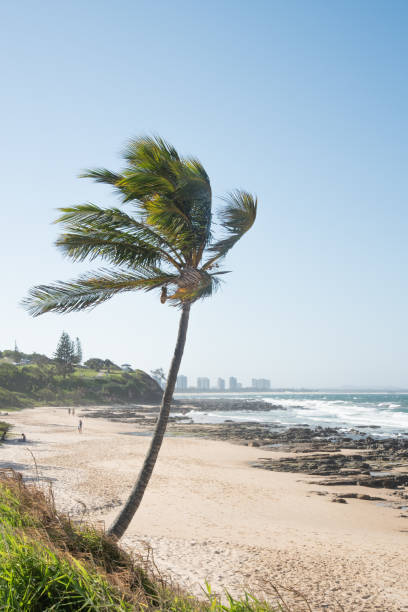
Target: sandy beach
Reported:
[(208, 515)]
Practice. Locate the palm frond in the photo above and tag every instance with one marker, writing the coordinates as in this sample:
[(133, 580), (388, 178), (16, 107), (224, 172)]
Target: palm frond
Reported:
[(184, 213), (164, 213), (140, 186), (101, 175), (172, 194), (112, 223), (153, 167), (195, 188), (93, 216), (152, 182), (115, 247), (147, 150), (197, 168), (236, 218), (92, 289)]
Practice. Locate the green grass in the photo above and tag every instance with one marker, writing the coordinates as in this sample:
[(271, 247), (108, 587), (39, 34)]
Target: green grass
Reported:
[(49, 563), (33, 577), (85, 373), (35, 385)]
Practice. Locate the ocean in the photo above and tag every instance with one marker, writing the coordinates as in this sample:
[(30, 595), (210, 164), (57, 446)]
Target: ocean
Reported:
[(386, 414)]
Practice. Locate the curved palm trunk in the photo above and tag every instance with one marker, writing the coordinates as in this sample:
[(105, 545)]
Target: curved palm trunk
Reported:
[(122, 521)]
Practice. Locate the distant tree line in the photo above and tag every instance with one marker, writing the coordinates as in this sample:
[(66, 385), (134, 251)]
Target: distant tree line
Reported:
[(29, 379), (66, 356)]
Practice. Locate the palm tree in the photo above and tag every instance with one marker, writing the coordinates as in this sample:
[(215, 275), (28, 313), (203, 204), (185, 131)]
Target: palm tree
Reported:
[(165, 243)]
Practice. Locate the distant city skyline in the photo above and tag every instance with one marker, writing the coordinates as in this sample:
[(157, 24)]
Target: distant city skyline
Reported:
[(182, 383), (221, 384), (204, 383), (262, 384)]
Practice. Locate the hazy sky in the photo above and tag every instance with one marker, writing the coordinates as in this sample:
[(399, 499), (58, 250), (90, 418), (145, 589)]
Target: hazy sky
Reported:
[(303, 103)]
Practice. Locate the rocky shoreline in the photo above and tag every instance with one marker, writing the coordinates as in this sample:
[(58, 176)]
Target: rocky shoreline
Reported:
[(339, 458)]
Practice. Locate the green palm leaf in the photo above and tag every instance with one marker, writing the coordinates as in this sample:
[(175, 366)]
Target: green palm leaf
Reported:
[(101, 175), (90, 218), (236, 219), (92, 289), (171, 193), (108, 233), (114, 247)]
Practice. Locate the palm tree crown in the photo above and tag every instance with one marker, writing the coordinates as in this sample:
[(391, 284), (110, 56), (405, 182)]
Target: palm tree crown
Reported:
[(165, 243)]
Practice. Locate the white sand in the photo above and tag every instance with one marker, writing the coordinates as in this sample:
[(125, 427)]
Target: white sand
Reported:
[(208, 515)]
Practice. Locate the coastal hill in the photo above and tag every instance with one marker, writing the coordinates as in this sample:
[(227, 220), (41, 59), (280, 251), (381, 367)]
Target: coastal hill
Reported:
[(38, 380)]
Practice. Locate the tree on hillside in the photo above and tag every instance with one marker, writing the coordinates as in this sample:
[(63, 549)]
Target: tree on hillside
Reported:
[(165, 243), (39, 359), (159, 376), (94, 363), (65, 354), (16, 353), (78, 351), (109, 365)]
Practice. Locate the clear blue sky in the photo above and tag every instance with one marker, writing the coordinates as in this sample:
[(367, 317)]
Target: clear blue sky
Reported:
[(303, 103)]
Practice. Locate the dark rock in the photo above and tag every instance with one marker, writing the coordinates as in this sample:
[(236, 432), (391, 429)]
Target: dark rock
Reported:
[(228, 404)]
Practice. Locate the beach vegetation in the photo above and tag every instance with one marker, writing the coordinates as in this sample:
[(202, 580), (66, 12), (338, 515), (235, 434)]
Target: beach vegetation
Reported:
[(50, 562), (4, 428), (34, 385), (95, 363), (161, 239)]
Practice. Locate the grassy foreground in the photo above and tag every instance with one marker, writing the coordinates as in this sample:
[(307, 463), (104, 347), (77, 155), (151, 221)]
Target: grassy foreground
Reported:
[(48, 562)]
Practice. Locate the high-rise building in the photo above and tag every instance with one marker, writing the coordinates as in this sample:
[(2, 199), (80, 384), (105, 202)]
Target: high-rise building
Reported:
[(261, 384), (181, 384), (203, 383), (221, 384), (233, 383)]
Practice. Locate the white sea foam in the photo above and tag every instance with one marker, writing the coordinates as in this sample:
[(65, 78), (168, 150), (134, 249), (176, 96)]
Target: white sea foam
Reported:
[(343, 411), (349, 412)]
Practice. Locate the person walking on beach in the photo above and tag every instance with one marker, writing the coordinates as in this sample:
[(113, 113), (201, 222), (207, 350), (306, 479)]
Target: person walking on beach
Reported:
[(80, 426), (69, 410), (23, 437)]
